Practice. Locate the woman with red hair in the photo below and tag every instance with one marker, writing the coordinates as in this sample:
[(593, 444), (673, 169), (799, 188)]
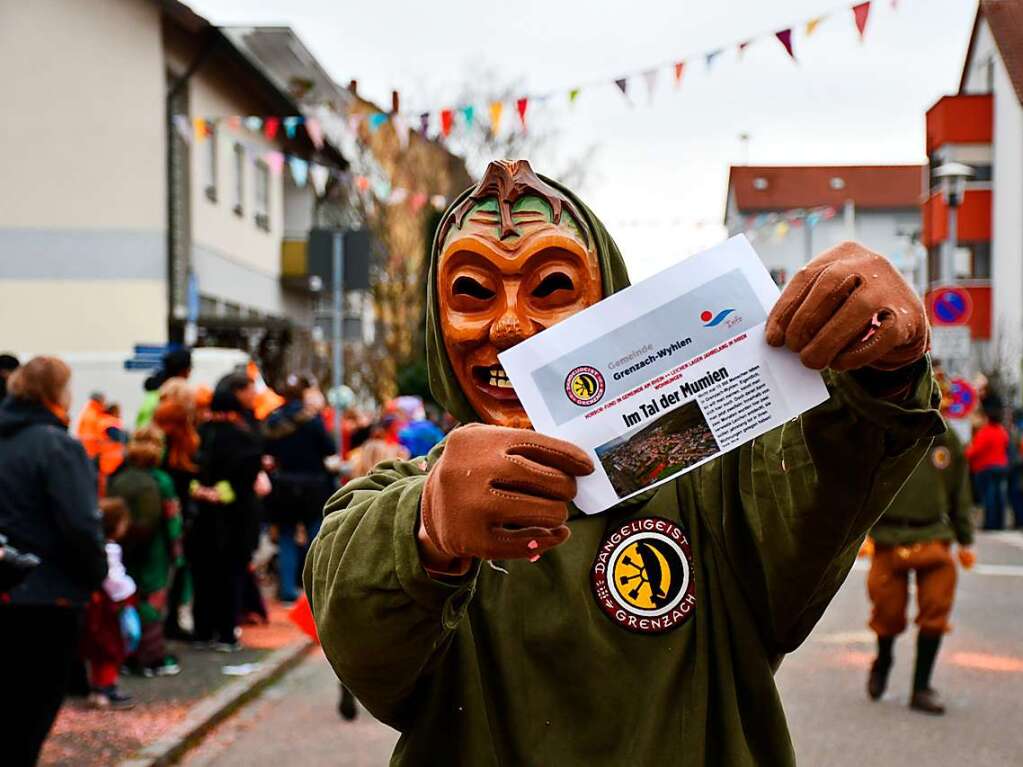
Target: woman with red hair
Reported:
[(48, 507)]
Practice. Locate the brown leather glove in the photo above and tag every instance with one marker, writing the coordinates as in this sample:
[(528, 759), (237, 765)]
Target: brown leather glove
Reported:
[(499, 493), (850, 308)]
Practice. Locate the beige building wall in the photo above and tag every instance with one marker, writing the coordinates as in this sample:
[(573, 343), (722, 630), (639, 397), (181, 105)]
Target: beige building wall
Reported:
[(82, 203)]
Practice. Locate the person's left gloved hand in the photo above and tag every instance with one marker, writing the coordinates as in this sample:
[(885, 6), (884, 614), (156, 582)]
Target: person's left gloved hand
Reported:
[(850, 308), (967, 557)]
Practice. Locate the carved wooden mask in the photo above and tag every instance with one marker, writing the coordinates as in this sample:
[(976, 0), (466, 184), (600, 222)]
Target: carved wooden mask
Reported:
[(515, 259)]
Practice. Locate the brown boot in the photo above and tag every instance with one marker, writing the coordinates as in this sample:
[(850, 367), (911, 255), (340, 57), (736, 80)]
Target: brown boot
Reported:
[(928, 701)]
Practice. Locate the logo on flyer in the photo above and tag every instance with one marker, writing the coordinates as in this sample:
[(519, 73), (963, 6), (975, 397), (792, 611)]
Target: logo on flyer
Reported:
[(642, 577), (584, 385), (711, 320)]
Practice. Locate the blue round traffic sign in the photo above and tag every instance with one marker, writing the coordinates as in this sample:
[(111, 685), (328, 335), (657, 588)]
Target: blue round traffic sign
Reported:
[(951, 306)]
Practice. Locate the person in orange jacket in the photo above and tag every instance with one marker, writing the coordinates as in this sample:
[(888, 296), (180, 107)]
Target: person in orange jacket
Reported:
[(88, 424)]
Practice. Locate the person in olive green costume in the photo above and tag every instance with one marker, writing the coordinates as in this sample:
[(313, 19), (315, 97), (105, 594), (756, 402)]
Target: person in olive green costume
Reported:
[(516, 663), (930, 512)]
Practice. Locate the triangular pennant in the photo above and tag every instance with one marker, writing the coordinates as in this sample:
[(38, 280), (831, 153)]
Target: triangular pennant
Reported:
[(234, 122), (312, 127), (680, 68), (319, 175), (291, 123), (382, 190), (650, 77), (401, 130), (270, 125), (573, 95), (439, 201), (183, 128), (785, 38), (274, 161), (812, 24), (361, 183), (520, 106), (398, 196), (299, 170), (710, 56), (860, 13), (418, 201), (253, 123), (496, 108), (447, 118), (203, 129), (742, 47), (376, 120), (468, 114), (424, 123), (623, 85)]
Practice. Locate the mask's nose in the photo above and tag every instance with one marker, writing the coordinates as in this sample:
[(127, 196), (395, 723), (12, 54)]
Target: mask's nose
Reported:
[(511, 328)]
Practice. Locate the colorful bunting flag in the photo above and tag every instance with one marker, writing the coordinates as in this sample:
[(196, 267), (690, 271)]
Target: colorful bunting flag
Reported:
[(299, 170), (650, 76), (270, 125), (785, 38), (274, 161), (860, 14), (418, 201), (424, 124), (401, 130), (376, 120), (234, 122), (203, 129), (680, 67), (812, 24), (496, 108), (312, 127), (521, 106), (742, 47), (447, 117), (253, 123), (468, 114), (398, 196), (319, 175), (183, 128), (291, 123), (572, 96), (439, 201), (710, 56)]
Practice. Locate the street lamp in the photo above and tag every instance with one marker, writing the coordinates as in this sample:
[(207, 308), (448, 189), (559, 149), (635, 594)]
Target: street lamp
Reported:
[(953, 177)]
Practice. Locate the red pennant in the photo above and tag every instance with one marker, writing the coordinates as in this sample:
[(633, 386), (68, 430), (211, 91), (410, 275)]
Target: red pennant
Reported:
[(785, 38), (520, 106), (447, 117), (860, 13), (679, 69), (270, 126)]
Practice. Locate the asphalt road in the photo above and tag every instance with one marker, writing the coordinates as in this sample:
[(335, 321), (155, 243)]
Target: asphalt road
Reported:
[(980, 673)]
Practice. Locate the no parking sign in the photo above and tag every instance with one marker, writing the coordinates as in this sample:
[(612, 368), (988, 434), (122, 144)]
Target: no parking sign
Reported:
[(950, 306), (962, 398)]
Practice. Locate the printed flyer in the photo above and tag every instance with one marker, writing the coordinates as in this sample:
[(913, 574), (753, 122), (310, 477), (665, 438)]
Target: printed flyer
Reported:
[(660, 378)]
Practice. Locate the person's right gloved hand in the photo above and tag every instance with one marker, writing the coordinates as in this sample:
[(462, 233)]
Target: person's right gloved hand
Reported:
[(497, 493)]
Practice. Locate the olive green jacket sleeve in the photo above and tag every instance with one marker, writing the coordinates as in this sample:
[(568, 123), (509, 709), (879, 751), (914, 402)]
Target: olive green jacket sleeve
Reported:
[(790, 509), (381, 619), (960, 496)]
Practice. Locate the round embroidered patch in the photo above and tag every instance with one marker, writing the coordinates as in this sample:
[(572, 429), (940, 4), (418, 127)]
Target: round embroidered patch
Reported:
[(642, 576), (941, 457)]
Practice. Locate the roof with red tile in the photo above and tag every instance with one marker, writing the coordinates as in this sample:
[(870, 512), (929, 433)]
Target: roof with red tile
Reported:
[(1005, 18), (767, 188)]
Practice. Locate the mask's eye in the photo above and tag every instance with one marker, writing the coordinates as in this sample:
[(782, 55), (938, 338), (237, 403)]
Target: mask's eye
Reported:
[(553, 283), (467, 286)]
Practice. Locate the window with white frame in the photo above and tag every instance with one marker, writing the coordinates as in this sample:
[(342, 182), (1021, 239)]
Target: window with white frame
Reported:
[(263, 195), (239, 179), (209, 162)]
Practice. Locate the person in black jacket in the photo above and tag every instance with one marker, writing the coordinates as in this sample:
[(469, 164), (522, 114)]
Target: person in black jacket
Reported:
[(297, 440), (48, 507), (226, 527)]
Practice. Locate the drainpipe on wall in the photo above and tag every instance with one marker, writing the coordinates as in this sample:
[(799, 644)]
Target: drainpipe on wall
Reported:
[(849, 218), (181, 324)]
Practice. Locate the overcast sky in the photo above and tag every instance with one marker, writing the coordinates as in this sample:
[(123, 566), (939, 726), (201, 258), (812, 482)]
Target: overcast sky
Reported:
[(660, 172)]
